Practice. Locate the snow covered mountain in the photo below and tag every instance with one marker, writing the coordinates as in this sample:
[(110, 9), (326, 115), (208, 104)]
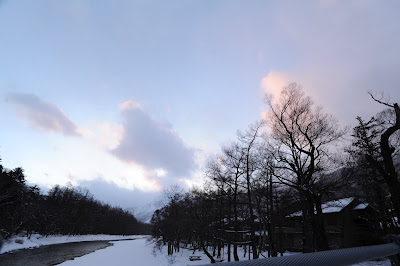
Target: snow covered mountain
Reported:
[(143, 213)]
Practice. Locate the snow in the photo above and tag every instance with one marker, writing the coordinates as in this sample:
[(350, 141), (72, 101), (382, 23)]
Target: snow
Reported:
[(295, 214), (137, 252), (336, 205), (329, 207), (239, 231), (385, 262), (141, 252), (36, 240), (361, 206)]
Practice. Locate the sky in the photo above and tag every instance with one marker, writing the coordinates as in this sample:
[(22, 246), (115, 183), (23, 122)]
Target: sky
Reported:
[(127, 98)]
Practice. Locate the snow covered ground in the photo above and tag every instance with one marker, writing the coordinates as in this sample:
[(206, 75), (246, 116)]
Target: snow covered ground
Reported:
[(385, 262), (138, 252), (141, 252), (36, 240)]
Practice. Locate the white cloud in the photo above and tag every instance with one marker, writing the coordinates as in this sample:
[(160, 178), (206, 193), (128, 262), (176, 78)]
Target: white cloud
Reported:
[(141, 153), (110, 136), (86, 161), (152, 144), (160, 172)]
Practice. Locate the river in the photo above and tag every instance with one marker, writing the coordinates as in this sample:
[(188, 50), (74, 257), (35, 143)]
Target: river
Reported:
[(51, 254)]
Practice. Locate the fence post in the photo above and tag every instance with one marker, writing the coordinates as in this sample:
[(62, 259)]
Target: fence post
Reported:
[(394, 259)]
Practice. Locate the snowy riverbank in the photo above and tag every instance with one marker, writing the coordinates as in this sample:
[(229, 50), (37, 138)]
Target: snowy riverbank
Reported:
[(141, 252), (138, 252), (36, 240)]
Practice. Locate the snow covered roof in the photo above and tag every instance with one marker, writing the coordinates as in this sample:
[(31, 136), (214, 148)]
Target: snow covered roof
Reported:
[(329, 207), (259, 233), (299, 213), (361, 206), (336, 205)]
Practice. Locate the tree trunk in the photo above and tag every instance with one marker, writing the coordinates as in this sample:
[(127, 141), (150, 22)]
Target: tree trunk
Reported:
[(207, 254), (391, 177), (229, 252), (235, 253), (252, 231), (280, 228), (306, 223), (312, 221), (271, 225), (322, 241), (170, 248)]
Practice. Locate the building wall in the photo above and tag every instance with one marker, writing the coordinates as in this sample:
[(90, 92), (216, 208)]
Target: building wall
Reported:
[(348, 228)]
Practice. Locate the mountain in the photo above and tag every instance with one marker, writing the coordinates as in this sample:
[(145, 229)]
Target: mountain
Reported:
[(143, 213)]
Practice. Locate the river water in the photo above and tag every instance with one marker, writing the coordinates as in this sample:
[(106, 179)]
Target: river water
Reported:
[(52, 254)]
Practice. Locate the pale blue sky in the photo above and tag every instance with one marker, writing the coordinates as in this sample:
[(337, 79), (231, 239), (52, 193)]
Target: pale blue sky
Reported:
[(189, 72)]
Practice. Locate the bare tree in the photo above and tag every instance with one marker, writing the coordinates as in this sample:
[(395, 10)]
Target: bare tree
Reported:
[(226, 171), (302, 135), (265, 186), (248, 142)]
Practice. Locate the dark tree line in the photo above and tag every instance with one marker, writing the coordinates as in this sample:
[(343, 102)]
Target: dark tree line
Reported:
[(64, 210), (295, 159)]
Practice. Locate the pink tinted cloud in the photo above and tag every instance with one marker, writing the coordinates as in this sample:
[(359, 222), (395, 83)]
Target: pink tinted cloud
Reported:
[(273, 83), (41, 114), (129, 104)]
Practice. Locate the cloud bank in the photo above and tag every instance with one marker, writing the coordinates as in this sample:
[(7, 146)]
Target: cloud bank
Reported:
[(153, 144), (339, 51), (111, 193), (41, 114)]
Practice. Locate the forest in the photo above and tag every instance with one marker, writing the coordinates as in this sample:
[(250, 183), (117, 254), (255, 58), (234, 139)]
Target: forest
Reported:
[(63, 210), (272, 189)]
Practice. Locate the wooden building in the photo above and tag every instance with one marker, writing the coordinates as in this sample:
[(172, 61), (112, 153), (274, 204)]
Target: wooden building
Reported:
[(348, 223)]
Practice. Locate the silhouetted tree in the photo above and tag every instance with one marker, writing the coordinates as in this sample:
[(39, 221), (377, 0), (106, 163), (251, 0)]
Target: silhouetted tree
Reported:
[(64, 210), (375, 148), (301, 139)]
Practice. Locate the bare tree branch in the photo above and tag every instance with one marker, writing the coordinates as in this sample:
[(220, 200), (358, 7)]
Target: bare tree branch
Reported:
[(379, 101)]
